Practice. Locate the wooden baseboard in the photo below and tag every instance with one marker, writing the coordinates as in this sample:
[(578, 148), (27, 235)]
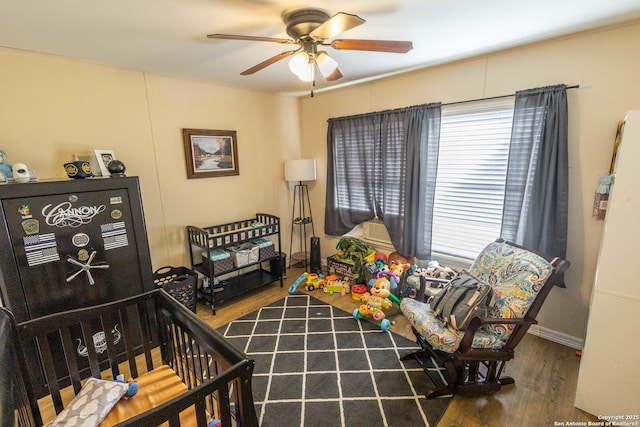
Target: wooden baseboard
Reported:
[(557, 337)]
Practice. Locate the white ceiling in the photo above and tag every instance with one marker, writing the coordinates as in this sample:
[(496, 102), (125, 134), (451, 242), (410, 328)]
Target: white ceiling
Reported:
[(168, 37)]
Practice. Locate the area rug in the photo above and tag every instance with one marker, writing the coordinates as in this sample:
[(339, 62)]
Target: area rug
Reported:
[(318, 366)]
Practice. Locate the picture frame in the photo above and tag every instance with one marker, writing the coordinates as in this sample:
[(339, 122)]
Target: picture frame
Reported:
[(103, 158), (210, 153)]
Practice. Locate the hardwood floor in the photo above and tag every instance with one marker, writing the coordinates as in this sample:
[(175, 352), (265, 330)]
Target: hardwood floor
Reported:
[(546, 373)]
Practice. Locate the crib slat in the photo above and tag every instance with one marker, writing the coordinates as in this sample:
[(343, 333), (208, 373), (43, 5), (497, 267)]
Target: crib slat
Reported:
[(49, 371), (180, 350), (87, 334), (168, 349), (112, 354), (69, 354), (223, 405), (145, 333), (128, 341), (190, 362), (201, 412)]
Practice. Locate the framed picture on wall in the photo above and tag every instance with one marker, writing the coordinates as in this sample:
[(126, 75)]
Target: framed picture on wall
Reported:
[(210, 153), (104, 157)]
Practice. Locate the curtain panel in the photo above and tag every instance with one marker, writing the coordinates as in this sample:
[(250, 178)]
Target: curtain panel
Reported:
[(383, 165), (537, 187)]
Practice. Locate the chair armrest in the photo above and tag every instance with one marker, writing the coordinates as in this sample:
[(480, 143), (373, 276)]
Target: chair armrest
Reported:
[(477, 322)]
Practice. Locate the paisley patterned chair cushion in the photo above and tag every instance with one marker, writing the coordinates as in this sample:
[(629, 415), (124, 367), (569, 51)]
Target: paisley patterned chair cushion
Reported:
[(438, 336), (516, 276)]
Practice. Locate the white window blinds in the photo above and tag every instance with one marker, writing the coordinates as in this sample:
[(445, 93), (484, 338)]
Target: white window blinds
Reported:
[(472, 166)]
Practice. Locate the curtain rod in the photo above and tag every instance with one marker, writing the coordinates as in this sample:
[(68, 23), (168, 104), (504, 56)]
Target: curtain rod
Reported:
[(495, 97), (448, 103)]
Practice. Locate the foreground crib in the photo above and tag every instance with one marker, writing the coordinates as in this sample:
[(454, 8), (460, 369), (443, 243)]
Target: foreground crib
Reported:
[(187, 373)]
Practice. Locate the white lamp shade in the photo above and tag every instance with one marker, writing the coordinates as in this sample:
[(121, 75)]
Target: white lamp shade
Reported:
[(302, 67), (300, 170), (326, 64)]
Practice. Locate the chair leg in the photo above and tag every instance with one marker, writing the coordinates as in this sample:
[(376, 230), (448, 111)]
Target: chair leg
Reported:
[(417, 353), (475, 381), (420, 354), (465, 377)]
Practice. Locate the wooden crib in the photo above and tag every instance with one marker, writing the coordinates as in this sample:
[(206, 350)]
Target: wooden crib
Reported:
[(187, 373)]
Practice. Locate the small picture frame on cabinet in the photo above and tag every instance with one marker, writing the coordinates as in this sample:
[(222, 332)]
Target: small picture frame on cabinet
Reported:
[(104, 157)]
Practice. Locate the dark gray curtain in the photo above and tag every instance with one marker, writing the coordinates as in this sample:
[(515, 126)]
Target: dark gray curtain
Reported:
[(351, 154), (383, 165), (536, 197), (410, 225)]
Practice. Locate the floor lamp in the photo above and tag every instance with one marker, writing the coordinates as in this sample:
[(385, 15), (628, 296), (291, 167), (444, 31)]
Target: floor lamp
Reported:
[(299, 171)]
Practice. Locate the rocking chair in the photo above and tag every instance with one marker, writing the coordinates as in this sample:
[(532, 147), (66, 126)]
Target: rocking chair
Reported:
[(474, 359)]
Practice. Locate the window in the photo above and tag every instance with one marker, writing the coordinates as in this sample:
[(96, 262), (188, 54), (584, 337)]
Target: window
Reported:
[(470, 184), (457, 161)]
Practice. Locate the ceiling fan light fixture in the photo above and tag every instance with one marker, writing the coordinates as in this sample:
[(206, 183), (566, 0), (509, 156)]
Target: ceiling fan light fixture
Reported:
[(326, 64), (302, 67)]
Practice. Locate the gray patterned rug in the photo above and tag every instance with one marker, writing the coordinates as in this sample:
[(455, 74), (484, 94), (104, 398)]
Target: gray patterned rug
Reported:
[(318, 366)]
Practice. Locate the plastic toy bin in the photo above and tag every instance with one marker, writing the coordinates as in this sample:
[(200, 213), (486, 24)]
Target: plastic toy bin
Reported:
[(180, 283), (339, 268)]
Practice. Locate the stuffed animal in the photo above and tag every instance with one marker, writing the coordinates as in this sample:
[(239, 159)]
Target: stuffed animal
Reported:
[(133, 385), (399, 263), (436, 270)]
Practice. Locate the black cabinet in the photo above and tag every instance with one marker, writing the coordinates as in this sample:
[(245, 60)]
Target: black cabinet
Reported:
[(72, 243)]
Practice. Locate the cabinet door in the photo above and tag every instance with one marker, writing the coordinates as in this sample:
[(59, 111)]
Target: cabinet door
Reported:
[(73, 250)]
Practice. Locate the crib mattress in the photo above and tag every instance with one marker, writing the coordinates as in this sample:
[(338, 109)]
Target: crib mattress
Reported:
[(155, 388)]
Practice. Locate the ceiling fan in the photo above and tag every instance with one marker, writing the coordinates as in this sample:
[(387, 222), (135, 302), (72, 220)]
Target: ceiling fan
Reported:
[(309, 29)]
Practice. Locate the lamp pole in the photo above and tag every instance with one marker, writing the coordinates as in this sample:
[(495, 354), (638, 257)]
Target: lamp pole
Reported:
[(302, 202), (300, 171)]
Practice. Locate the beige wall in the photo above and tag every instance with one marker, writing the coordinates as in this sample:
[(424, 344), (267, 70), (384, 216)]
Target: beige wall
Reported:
[(606, 66), (51, 108)]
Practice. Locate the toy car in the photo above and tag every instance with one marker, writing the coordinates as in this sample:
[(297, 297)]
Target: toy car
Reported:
[(314, 281)]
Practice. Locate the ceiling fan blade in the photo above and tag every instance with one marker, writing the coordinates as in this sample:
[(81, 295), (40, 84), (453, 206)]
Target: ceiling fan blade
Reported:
[(268, 62), (250, 38), (337, 24), (391, 46)]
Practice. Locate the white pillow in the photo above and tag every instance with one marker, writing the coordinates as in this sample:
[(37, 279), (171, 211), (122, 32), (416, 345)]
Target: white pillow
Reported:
[(92, 404)]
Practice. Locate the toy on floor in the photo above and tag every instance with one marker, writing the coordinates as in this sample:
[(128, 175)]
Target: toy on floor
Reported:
[(385, 271), (398, 263), (334, 285), (311, 281), (294, 287), (314, 281), (357, 291), (353, 251), (379, 298)]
